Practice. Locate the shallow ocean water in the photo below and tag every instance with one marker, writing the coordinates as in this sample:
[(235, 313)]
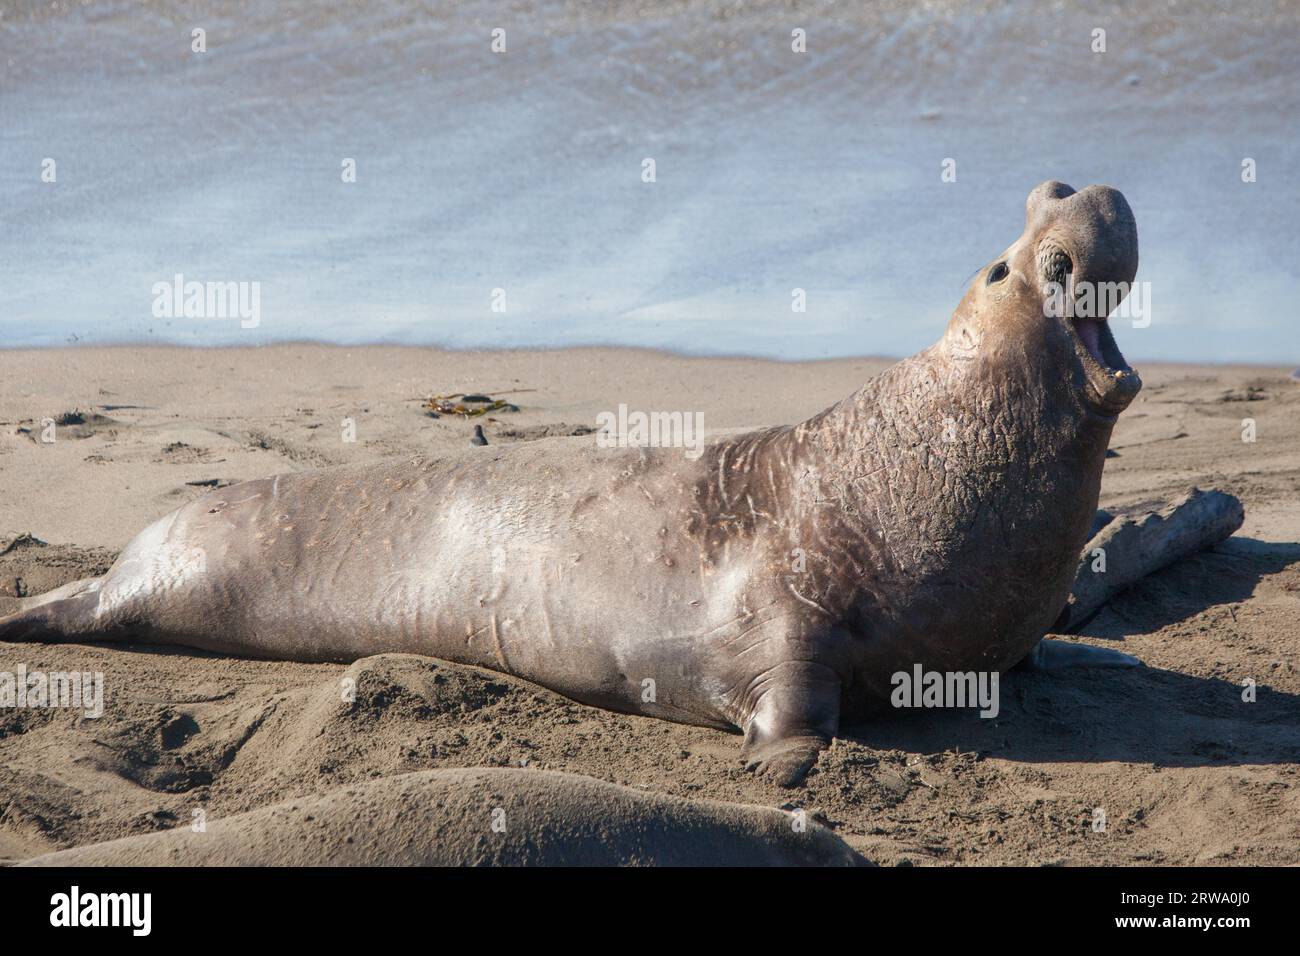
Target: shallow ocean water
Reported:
[(522, 171)]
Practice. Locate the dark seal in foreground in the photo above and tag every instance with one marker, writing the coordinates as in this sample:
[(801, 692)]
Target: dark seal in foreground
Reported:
[(773, 584)]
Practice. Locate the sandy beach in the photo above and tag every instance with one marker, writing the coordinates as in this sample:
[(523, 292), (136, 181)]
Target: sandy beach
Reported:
[(1185, 770)]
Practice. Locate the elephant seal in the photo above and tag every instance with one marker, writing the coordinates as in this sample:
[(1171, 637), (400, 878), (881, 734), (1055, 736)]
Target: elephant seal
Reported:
[(772, 584), (482, 816)]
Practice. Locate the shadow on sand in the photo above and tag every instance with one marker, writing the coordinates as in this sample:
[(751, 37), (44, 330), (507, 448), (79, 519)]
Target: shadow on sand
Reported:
[(1146, 715)]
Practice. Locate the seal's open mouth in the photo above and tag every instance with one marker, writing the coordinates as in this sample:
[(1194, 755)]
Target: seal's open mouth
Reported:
[(1109, 383)]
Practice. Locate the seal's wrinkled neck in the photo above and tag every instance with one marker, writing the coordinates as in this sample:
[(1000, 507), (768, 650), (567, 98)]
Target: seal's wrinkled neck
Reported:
[(962, 447), (960, 493)]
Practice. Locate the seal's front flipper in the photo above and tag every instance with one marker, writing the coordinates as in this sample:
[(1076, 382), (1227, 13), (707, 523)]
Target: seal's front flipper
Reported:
[(795, 715), (1050, 656), (786, 761)]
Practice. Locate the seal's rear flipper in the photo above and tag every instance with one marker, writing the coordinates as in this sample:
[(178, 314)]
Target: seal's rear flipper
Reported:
[(1049, 656), (65, 614)]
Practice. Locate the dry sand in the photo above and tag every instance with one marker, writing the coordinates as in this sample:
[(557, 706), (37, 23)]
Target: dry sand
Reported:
[(1184, 769)]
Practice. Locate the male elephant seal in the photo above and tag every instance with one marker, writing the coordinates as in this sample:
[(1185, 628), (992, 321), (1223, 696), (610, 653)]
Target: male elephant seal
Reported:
[(772, 584)]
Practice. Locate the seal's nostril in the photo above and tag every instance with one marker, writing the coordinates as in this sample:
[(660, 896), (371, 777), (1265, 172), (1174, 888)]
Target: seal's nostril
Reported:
[(1054, 263)]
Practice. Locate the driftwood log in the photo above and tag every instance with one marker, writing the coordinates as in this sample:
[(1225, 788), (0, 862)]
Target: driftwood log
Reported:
[(1131, 545)]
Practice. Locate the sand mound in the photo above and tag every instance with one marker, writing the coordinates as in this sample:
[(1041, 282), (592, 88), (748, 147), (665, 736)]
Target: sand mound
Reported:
[(481, 816)]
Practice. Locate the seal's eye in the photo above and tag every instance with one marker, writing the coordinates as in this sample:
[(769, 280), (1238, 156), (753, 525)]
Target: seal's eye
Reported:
[(998, 273)]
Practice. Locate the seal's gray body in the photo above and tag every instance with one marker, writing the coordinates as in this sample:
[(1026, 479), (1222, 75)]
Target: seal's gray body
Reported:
[(772, 584)]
